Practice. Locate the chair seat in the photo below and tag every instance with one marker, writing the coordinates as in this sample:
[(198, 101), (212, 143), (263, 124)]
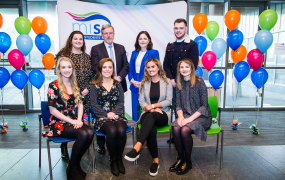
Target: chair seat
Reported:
[(98, 133), (214, 129), (162, 129), (60, 139)]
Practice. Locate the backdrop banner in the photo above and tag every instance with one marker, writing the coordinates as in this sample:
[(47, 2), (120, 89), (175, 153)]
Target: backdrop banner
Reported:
[(128, 21)]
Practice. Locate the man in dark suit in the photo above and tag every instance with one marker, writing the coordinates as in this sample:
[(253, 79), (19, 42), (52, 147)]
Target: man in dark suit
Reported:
[(117, 52)]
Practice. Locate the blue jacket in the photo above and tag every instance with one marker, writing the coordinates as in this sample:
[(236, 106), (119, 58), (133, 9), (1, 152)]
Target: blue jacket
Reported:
[(132, 68)]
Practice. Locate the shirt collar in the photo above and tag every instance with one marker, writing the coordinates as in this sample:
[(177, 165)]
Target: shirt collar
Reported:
[(107, 45)]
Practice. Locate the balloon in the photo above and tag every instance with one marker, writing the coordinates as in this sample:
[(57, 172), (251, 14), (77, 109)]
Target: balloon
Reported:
[(232, 18), (202, 44), (5, 42), (263, 40), (259, 77), (19, 78), (24, 43), (235, 39), (1, 20), (241, 70), (43, 43), (255, 59), (212, 30), (267, 19), (216, 79), (219, 47), (239, 54), (200, 21), (199, 71), (198, 62), (23, 25), (48, 61), (37, 78), (16, 58), (209, 60), (4, 76), (39, 25)]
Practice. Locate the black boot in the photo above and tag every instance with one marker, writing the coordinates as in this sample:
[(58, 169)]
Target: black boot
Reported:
[(121, 165), (81, 172), (176, 166), (114, 166), (186, 166), (64, 151), (72, 172)]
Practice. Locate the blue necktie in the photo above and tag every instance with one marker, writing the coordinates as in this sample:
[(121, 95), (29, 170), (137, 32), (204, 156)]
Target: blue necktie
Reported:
[(112, 57)]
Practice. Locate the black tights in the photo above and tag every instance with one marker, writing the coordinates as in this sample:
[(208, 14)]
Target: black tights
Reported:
[(115, 137), (83, 136), (183, 142)]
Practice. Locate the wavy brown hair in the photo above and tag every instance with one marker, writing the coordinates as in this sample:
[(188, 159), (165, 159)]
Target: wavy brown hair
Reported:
[(149, 46), (72, 79), (193, 77), (66, 50), (99, 77), (147, 77)]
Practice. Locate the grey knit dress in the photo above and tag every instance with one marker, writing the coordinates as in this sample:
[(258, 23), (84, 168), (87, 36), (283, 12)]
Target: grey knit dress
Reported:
[(192, 99)]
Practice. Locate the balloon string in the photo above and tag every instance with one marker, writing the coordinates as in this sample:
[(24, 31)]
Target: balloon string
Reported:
[(2, 97), (3, 59), (233, 87), (40, 95), (24, 105), (47, 81), (237, 91)]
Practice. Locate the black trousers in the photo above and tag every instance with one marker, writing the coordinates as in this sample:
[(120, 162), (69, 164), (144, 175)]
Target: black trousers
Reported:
[(149, 121)]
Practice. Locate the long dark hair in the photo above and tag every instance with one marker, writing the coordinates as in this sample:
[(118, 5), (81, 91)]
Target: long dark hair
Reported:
[(99, 78), (149, 46)]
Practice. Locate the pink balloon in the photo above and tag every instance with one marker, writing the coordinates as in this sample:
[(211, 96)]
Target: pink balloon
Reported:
[(255, 59), (16, 58), (209, 60)]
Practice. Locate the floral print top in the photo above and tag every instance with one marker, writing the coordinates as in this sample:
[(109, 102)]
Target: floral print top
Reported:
[(57, 126)]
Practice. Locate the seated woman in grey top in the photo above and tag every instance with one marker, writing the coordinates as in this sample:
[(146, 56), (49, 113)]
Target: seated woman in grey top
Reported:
[(155, 96), (194, 114)]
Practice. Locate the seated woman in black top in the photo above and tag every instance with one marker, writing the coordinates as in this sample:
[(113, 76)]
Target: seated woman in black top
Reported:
[(107, 102), (194, 114), (63, 97), (154, 97)]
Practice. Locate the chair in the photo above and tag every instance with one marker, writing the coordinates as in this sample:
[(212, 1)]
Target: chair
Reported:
[(215, 128), (98, 133), (45, 115)]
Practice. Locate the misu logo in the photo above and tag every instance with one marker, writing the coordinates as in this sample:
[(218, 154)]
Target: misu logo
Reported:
[(87, 26)]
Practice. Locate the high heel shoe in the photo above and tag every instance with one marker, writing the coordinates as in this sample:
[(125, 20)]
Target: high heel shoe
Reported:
[(72, 172), (114, 166)]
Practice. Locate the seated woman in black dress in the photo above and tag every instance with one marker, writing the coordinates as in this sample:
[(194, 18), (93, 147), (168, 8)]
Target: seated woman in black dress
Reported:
[(107, 102), (63, 97), (155, 96), (194, 114)]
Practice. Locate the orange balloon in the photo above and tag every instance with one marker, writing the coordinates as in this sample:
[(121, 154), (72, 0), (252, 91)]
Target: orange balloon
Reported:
[(239, 54), (48, 61), (200, 22), (232, 18), (198, 61), (39, 25), (1, 20)]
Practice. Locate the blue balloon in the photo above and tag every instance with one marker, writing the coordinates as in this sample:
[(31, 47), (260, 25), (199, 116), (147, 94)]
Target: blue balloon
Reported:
[(5, 42), (202, 44), (263, 40), (4, 77), (259, 77), (235, 39), (43, 43), (37, 78), (216, 79), (219, 47), (241, 70), (19, 78), (24, 43), (199, 71)]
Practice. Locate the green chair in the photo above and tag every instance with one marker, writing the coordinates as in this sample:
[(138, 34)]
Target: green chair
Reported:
[(215, 128)]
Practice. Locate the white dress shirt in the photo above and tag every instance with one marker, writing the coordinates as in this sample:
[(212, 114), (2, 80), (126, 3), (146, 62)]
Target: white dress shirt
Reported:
[(108, 50)]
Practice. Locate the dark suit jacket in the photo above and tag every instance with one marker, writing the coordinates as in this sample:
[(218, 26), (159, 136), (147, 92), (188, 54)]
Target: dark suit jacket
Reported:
[(99, 52)]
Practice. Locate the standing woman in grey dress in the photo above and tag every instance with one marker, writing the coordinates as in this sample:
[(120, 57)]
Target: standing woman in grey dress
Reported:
[(194, 114)]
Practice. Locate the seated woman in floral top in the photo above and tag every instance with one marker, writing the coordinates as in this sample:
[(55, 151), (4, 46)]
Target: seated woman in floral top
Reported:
[(107, 102), (63, 97)]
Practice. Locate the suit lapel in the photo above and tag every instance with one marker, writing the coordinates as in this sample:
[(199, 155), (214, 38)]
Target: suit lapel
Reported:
[(117, 55), (161, 88), (104, 50), (147, 90)]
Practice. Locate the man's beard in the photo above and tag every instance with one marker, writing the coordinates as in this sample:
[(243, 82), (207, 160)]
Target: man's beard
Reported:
[(180, 36)]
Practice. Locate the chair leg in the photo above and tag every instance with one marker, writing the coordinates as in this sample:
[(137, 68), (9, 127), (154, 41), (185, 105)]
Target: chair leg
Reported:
[(170, 139), (93, 158), (40, 141), (217, 146), (94, 155), (222, 147), (137, 134), (49, 160)]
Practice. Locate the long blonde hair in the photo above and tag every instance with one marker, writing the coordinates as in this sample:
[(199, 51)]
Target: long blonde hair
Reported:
[(193, 77), (147, 77), (72, 79)]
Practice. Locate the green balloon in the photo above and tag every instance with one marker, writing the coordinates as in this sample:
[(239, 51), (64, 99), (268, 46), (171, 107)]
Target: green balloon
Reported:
[(212, 30), (267, 19), (23, 25)]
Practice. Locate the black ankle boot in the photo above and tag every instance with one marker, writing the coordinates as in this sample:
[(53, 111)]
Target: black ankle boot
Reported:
[(72, 172), (81, 172), (121, 165), (186, 166), (64, 151), (176, 166), (114, 166)]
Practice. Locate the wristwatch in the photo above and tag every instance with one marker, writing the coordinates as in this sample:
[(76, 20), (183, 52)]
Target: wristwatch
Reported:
[(152, 106)]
